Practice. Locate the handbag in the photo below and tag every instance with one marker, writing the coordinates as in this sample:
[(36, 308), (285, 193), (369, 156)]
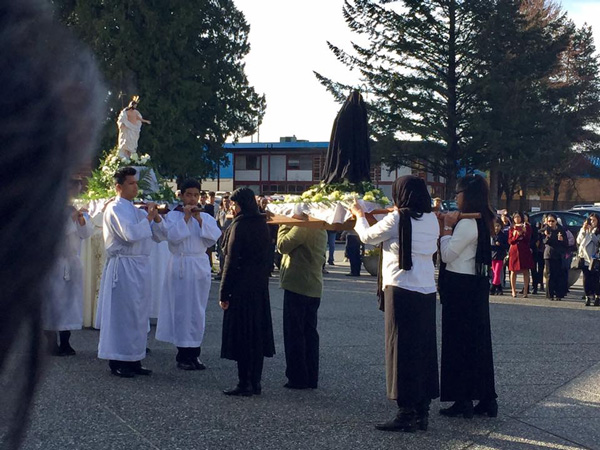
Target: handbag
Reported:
[(595, 266)]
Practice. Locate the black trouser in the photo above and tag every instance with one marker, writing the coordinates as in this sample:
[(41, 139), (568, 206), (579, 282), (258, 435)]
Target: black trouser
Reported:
[(556, 278), (591, 282), (353, 253), (537, 273), (301, 338), (250, 370), (185, 354)]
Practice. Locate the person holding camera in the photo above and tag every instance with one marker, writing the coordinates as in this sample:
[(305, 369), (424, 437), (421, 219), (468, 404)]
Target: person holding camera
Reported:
[(588, 241), (520, 259), (555, 242)]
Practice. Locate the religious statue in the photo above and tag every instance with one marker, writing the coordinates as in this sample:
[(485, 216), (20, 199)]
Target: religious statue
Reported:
[(130, 124)]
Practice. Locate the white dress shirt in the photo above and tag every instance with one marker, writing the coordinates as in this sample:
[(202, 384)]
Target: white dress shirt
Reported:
[(425, 233), (458, 250)]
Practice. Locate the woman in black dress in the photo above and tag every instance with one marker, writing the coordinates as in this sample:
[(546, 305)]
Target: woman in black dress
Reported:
[(244, 294), (467, 369)]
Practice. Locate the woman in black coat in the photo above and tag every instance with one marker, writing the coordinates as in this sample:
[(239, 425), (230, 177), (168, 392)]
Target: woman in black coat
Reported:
[(556, 243), (244, 294)]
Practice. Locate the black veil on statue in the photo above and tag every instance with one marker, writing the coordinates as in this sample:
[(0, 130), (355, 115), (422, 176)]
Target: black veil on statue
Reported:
[(349, 155)]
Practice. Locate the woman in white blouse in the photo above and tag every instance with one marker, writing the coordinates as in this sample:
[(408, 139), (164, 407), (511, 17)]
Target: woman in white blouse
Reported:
[(409, 239), (467, 370)]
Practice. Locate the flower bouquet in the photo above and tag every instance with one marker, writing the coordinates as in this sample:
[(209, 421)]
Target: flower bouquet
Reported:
[(327, 205)]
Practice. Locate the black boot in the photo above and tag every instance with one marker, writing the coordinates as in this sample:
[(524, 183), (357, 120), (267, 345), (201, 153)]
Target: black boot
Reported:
[(463, 407), (597, 301), (422, 411), (588, 301), (405, 420), (65, 348), (489, 407)]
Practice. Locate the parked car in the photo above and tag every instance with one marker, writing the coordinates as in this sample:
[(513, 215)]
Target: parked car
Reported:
[(585, 212), (573, 221), (449, 205)]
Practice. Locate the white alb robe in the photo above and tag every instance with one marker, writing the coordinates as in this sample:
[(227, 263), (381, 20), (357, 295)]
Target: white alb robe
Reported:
[(182, 311), (129, 134), (62, 309), (124, 297)]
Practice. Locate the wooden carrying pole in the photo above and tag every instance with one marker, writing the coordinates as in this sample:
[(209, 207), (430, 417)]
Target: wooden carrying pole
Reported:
[(310, 222)]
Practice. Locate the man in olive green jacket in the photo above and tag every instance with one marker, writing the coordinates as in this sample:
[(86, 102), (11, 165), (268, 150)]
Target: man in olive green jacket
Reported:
[(301, 277)]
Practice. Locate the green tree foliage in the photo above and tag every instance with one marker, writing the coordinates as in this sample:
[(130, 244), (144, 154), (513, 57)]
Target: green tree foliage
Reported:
[(185, 60)]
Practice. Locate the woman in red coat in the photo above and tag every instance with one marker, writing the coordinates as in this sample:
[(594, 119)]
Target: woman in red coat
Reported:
[(520, 259)]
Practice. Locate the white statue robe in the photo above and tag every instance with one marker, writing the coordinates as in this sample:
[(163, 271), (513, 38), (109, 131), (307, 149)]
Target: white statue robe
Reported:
[(124, 296), (62, 309), (182, 311), (129, 134)]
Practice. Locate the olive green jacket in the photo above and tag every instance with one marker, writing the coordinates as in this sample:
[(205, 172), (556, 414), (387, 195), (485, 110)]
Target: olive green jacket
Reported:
[(303, 251)]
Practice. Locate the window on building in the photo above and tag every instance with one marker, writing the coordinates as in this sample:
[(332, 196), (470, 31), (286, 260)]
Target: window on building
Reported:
[(302, 162), (246, 162)]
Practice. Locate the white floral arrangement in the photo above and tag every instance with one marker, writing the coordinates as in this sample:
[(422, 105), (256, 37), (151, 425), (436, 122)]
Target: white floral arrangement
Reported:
[(101, 185), (332, 202)]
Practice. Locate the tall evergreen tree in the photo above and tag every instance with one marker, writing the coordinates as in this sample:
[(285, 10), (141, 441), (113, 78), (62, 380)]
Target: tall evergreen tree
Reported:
[(511, 122), (418, 67), (185, 60)]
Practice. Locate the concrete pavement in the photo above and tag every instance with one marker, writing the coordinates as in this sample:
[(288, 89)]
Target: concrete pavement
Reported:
[(547, 358)]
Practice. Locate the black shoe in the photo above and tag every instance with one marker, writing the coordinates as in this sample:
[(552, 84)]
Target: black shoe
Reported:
[(240, 391), (198, 365), (535, 291), (142, 371), (422, 412), (588, 301), (331, 263), (464, 408), (186, 365), (489, 407), (352, 275), (66, 350), (291, 385), (123, 372), (256, 388), (597, 301), (405, 421)]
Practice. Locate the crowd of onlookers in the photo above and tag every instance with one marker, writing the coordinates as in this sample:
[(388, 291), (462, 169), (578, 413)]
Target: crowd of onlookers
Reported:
[(543, 254)]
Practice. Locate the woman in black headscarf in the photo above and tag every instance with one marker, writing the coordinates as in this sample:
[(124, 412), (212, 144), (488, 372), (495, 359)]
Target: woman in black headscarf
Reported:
[(409, 239), (467, 362), (244, 294)]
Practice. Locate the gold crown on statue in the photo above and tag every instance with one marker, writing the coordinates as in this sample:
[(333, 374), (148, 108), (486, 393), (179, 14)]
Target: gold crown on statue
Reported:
[(135, 98)]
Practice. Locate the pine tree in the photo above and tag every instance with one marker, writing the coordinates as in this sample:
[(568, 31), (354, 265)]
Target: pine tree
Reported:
[(418, 67), (185, 60)]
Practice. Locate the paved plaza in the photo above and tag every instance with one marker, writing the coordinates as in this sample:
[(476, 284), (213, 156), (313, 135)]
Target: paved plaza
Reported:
[(547, 358)]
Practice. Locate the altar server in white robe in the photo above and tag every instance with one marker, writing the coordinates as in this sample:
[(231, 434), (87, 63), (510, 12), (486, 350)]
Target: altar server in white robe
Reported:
[(62, 309), (125, 296), (182, 312)]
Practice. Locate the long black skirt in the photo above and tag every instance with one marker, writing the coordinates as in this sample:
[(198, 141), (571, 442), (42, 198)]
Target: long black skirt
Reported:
[(467, 360), (411, 347)]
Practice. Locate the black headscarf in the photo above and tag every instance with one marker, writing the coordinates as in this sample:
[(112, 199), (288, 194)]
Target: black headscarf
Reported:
[(412, 199), (244, 198)]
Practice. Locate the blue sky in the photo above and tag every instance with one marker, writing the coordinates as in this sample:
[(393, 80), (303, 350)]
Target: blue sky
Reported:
[(288, 41)]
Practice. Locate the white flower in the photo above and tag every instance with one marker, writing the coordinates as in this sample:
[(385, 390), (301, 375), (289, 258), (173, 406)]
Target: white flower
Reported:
[(135, 157)]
